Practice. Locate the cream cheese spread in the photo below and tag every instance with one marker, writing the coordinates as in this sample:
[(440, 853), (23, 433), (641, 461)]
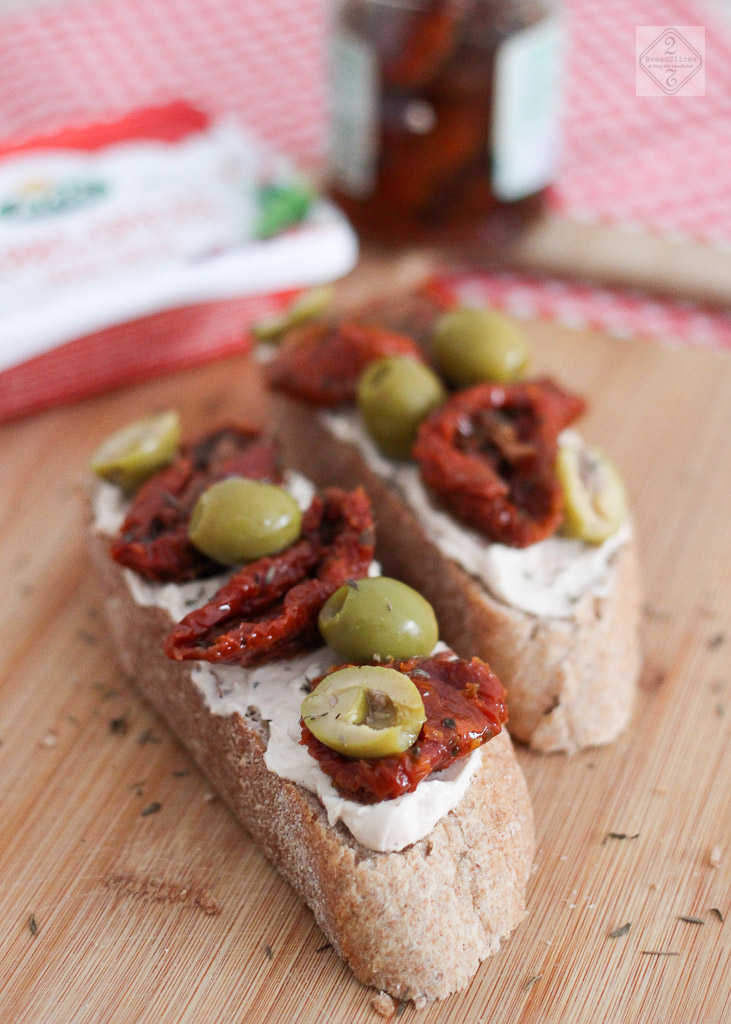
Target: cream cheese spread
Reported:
[(276, 692), (546, 579)]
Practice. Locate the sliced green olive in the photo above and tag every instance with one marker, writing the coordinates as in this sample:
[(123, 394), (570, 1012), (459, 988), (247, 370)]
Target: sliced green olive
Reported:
[(394, 395), (305, 307), (475, 345), (238, 520), (378, 619), (365, 711), (135, 452), (595, 503)]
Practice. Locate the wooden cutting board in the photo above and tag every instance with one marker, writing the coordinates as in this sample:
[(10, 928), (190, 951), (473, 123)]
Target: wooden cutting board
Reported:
[(128, 893)]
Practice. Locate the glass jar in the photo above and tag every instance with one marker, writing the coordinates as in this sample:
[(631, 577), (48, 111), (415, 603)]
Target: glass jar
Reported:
[(444, 115)]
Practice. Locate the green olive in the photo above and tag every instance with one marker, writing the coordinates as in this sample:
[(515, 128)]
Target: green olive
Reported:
[(394, 395), (378, 619), (595, 504), (475, 345), (305, 307), (238, 520), (365, 711), (137, 451)]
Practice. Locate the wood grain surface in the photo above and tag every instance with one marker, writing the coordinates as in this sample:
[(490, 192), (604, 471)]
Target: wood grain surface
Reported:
[(128, 893)]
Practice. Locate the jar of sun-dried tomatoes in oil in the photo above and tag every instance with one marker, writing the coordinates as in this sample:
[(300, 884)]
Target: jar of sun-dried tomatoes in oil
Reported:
[(444, 115)]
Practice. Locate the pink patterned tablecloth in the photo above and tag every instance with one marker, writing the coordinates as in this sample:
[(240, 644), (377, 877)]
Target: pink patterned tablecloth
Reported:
[(660, 164)]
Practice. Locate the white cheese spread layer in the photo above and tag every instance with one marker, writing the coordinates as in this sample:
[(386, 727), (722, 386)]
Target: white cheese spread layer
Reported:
[(276, 692), (546, 579)]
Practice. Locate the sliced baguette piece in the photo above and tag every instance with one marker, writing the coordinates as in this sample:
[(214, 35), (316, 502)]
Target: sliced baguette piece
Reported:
[(416, 923), (570, 681)]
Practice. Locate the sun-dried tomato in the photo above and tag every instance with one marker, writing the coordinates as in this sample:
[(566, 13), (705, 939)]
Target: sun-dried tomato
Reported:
[(154, 536), (489, 452), (269, 609), (321, 363), (464, 703)]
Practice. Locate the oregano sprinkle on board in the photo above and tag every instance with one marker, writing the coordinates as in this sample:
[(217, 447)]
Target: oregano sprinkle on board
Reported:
[(691, 920), (269, 952), (658, 952), (401, 1007), (717, 912), (33, 925), (152, 808), (619, 932), (148, 736), (620, 835), (531, 982)]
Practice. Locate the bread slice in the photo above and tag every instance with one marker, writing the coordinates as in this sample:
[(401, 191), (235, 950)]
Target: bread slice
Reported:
[(415, 923), (570, 680)]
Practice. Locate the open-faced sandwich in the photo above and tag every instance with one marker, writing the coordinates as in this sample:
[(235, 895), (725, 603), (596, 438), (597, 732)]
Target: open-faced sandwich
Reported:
[(366, 759), (488, 501)]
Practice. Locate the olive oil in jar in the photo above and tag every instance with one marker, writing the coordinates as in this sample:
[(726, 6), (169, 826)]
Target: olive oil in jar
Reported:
[(444, 115)]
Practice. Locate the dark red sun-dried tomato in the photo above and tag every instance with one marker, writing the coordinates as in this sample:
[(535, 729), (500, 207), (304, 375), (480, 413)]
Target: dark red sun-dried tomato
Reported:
[(153, 539), (269, 609), (464, 703), (489, 452), (321, 363)]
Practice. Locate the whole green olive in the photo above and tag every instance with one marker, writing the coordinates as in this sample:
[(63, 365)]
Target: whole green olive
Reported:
[(378, 619), (137, 451), (595, 503), (238, 520), (365, 711), (475, 345), (394, 395)]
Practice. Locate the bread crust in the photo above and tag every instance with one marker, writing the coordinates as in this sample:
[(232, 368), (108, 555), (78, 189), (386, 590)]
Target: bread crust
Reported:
[(415, 924), (570, 681)]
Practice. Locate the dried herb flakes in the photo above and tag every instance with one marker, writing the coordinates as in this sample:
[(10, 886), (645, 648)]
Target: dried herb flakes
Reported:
[(148, 736), (152, 808), (619, 932), (691, 920), (32, 925), (620, 835)]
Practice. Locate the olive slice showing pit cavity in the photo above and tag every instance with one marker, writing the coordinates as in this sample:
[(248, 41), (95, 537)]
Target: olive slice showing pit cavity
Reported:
[(595, 503), (365, 711), (138, 450)]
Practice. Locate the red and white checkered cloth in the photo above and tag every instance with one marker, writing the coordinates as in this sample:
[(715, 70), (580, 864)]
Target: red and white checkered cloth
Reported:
[(83, 62), (661, 164), (574, 304)]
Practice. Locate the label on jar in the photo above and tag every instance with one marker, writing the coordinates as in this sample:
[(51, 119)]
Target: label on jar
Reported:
[(526, 109), (354, 122)]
